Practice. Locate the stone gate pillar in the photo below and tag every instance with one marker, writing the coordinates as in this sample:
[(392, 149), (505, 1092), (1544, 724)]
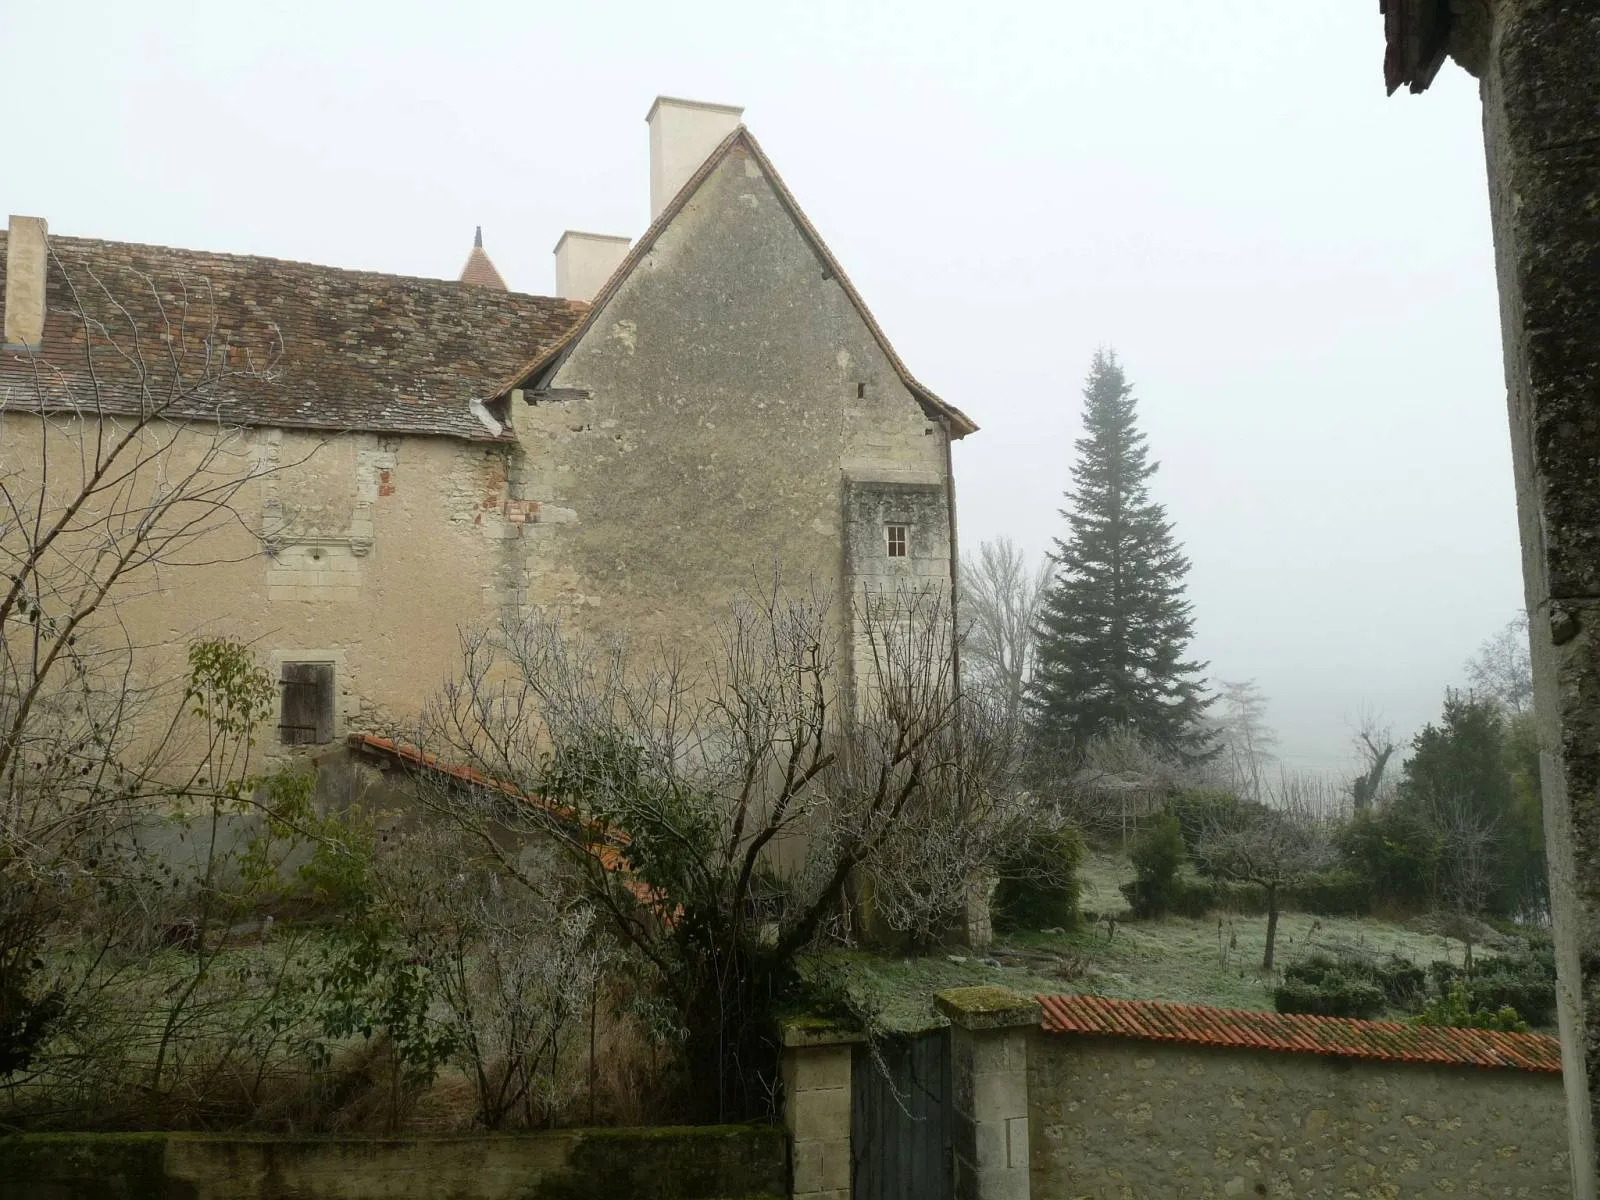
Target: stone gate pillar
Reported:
[(816, 1109), (989, 1082)]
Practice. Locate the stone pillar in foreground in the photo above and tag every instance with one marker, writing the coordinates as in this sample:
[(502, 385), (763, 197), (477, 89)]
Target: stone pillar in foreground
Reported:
[(1538, 66), (816, 1109), (1541, 117), (989, 1079)]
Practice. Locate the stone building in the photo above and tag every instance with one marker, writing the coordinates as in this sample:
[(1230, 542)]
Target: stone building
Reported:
[(421, 455)]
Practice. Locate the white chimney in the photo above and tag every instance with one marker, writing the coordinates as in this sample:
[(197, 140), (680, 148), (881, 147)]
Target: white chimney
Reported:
[(683, 133), (26, 258), (584, 261)]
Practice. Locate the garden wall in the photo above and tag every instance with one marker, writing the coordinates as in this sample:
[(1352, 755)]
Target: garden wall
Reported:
[(1114, 1117), (671, 1163)]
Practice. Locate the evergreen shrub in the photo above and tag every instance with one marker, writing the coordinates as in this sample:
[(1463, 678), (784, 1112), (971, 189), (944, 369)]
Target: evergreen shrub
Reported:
[(1039, 886)]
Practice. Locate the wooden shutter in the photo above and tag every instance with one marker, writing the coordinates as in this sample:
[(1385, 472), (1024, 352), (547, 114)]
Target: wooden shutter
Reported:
[(324, 701), (307, 704)]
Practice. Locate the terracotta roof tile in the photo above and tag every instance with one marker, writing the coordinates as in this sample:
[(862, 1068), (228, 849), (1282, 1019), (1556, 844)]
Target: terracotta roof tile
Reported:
[(1384, 1041), (479, 271), (608, 844), (741, 140), (350, 350)]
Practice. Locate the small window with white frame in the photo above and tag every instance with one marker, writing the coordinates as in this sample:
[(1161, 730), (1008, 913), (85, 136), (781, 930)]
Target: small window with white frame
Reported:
[(897, 539)]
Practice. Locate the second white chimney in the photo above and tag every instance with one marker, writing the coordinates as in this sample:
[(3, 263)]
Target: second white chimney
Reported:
[(683, 133), (584, 261), (27, 255)]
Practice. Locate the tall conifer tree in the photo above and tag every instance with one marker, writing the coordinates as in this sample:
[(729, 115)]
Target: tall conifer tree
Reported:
[(1114, 625)]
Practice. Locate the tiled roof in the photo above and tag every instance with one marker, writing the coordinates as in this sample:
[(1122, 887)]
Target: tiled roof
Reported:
[(1386, 1041), (479, 271), (608, 844), (349, 350), (742, 141)]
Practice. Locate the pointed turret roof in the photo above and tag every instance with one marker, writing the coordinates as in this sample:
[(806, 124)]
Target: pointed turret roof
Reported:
[(479, 271)]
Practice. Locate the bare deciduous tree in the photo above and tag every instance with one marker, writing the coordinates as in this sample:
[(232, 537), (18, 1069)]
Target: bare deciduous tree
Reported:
[(722, 814), (1111, 787), (119, 468), (1468, 847), (516, 968), (1000, 595), (1503, 668), (1273, 845), (1245, 739), (1376, 744)]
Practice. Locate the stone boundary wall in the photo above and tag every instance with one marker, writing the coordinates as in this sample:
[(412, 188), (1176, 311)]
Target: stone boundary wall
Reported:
[(1115, 1117), (1040, 1112), (668, 1163)]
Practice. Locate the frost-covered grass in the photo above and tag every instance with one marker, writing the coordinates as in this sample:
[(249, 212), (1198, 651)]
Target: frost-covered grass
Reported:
[(1214, 961)]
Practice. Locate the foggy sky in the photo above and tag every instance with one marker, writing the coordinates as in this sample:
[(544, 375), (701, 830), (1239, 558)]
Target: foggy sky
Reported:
[(1295, 270)]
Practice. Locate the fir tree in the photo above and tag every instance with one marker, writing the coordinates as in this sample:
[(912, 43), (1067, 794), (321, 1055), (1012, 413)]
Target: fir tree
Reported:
[(1114, 625)]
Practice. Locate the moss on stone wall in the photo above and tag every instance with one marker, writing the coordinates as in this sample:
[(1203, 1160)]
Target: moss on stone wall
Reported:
[(728, 1162), (987, 1007), (667, 1163), (107, 1166)]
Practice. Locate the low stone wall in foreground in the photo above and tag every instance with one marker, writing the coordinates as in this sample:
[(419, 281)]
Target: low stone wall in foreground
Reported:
[(668, 1163)]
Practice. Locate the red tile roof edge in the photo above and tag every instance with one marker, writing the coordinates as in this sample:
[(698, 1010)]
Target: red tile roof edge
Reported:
[(1381, 1041), (608, 843)]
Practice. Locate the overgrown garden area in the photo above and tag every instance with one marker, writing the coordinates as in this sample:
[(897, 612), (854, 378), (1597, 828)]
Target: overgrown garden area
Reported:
[(614, 869)]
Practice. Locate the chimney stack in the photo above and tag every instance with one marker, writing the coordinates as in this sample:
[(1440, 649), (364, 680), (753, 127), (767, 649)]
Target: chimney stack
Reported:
[(584, 261), (683, 133), (27, 255)]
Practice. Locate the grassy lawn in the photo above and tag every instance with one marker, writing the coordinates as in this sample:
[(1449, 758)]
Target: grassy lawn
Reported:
[(1208, 961)]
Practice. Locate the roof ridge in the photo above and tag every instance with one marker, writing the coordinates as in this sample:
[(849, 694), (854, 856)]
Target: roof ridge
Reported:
[(1389, 1041)]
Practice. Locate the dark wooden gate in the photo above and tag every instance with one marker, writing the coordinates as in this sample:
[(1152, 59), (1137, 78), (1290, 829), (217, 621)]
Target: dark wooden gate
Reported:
[(900, 1122)]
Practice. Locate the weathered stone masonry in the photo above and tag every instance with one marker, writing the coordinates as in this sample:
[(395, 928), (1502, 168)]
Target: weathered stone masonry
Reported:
[(435, 454), (1538, 63), (816, 1110), (1114, 1117), (1110, 1100), (711, 422)]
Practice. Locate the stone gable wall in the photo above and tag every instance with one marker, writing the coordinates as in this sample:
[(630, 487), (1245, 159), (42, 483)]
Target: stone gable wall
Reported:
[(706, 429)]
